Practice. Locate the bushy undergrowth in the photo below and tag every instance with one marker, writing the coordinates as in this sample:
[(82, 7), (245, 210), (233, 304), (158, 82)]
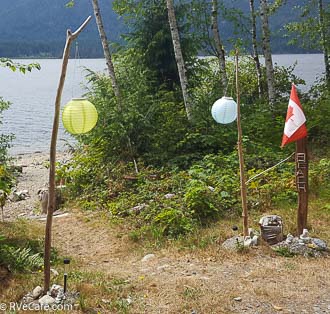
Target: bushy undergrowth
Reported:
[(21, 246), (161, 202), (18, 256), (188, 172)]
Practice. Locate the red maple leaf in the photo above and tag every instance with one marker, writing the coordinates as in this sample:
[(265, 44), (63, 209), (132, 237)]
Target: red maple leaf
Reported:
[(289, 113)]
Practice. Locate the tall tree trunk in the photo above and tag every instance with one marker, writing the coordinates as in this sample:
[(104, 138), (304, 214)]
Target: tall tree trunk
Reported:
[(107, 53), (179, 58), (218, 44), (267, 51), (325, 41), (111, 70), (255, 47)]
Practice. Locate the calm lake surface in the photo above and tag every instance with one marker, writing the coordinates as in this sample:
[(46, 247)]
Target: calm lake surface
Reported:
[(32, 95)]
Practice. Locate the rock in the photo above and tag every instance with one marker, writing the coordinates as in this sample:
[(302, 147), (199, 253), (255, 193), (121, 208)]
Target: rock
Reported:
[(55, 290), (17, 168), (289, 238), (255, 240), (54, 272), (320, 244), (169, 195), (37, 292), (314, 248), (251, 241), (247, 241), (60, 296), (20, 196), (305, 236), (238, 299), (46, 300), (233, 243), (129, 300), (148, 257), (211, 188), (137, 209), (163, 267)]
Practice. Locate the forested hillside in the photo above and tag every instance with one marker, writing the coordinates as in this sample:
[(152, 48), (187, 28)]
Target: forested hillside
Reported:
[(37, 28)]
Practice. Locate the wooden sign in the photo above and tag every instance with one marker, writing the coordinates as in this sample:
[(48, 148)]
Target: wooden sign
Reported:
[(302, 183)]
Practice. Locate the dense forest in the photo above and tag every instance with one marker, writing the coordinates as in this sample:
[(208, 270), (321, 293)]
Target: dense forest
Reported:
[(22, 36)]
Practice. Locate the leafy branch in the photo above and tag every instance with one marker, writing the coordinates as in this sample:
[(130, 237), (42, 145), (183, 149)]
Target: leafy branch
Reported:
[(14, 66)]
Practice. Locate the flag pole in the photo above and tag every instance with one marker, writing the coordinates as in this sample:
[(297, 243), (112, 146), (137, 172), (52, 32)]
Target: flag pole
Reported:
[(302, 183), (240, 155)]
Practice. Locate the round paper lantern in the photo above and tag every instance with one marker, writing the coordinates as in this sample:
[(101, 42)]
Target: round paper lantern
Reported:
[(79, 116), (224, 110)]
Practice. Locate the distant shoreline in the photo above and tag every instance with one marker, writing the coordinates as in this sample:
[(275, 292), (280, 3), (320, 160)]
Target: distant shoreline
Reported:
[(199, 56)]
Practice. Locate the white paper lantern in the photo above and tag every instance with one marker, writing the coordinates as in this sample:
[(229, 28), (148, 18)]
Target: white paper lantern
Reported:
[(224, 110)]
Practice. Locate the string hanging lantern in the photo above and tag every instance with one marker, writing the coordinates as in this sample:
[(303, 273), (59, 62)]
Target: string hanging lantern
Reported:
[(224, 110), (79, 116)]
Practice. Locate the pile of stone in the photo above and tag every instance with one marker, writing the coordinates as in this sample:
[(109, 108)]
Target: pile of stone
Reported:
[(18, 196), (271, 231), (239, 242), (303, 245), (55, 298)]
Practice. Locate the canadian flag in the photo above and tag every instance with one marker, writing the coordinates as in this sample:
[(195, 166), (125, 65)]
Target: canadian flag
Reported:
[(295, 128)]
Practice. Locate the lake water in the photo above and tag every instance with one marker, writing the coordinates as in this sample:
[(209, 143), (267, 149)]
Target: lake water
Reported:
[(32, 95)]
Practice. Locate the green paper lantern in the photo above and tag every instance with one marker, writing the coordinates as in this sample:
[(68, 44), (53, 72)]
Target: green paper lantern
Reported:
[(79, 116)]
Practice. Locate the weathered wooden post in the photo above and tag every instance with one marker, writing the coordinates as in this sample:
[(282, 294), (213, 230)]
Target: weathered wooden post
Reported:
[(302, 183), (241, 155), (52, 160), (295, 131)]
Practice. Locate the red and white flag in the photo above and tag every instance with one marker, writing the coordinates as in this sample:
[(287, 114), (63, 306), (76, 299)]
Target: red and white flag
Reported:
[(295, 127)]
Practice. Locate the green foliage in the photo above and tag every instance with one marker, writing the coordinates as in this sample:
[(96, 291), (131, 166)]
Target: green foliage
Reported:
[(4, 139), (284, 251), (7, 179), (306, 31), (7, 63), (200, 200), (18, 258), (196, 163), (149, 34), (316, 106), (320, 178)]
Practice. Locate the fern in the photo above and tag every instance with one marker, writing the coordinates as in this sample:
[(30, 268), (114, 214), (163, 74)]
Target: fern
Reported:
[(21, 259)]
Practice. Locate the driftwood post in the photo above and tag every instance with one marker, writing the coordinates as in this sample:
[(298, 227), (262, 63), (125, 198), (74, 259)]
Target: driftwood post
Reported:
[(241, 156), (70, 37)]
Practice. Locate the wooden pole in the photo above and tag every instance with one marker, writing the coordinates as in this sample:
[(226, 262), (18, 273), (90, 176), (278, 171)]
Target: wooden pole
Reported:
[(241, 156), (302, 183), (52, 160)]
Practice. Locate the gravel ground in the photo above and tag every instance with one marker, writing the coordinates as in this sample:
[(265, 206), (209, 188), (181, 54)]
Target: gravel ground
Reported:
[(34, 176)]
